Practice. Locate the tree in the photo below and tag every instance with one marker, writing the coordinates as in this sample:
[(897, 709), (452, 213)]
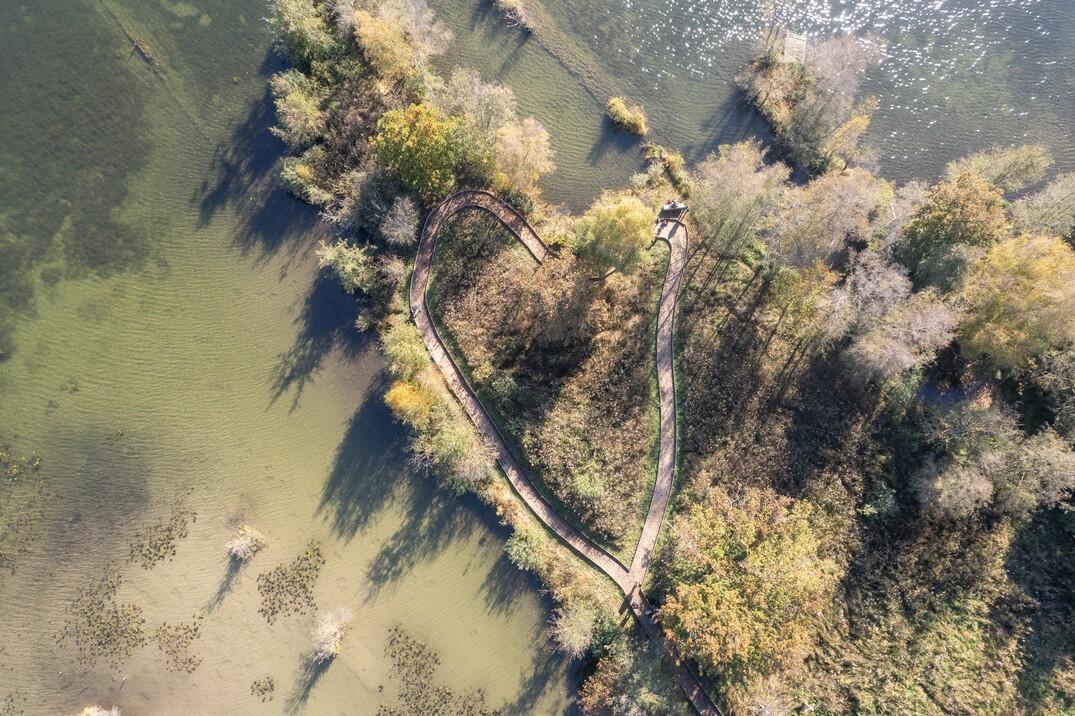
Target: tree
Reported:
[(965, 211), (427, 36), (302, 32), (1055, 375), (1020, 301), (385, 46), (906, 336), (523, 154), (814, 222), (487, 106), (1051, 210), (984, 460), (1010, 168), (422, 147), (400, 225), (731, 190), (744, 581), (613, 232), (352, 264), (298, 107)]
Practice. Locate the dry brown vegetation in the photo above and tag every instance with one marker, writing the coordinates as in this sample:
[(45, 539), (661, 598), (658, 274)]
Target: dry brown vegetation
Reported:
[(565, 360)]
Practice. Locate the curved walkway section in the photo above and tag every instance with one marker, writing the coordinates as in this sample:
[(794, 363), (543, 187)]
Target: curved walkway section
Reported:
[(628, 580)]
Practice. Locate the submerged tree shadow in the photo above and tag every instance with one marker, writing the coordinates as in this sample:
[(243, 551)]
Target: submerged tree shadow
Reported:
[(612, 140), (433, 520), (325, 322), (309, 674), (366, 471), (545, 665), (243, 180), (231, 573), (503, 586)]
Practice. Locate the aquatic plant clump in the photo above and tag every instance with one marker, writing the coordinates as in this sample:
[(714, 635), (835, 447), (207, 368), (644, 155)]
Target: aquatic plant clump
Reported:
[(263, 688), (158, 542), (175, 642), (328, 637), (246, 543), (23, 496), (288, 588), (627, 117), (413, 667), (99, 627)]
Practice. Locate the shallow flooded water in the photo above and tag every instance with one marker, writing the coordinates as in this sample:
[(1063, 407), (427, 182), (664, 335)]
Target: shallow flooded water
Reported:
[(173, 351)]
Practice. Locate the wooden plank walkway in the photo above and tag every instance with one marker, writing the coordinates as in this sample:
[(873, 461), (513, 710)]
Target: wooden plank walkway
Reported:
[(629, 580)]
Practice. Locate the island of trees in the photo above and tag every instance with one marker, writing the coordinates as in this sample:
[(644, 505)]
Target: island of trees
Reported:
[(877, 381)]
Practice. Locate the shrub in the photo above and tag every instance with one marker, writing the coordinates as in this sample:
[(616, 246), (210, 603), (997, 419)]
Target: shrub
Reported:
[(332, 627), (298, 107), (246, 542), (352, 264), (630, 118), (400, 225), (515, 13)]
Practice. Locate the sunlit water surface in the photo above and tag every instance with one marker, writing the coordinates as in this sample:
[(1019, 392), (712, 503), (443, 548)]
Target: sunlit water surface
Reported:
[(956, 76)]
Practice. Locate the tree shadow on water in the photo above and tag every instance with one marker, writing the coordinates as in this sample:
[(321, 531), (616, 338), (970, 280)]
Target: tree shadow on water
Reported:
[(545, 667), (432, 520), (231, 573), (367, 468), (243, 179), (503, 586), (311, 672), (325, 322)]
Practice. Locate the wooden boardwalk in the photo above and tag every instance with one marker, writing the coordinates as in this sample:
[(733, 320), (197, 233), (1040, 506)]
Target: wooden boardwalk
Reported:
[(628, 579)]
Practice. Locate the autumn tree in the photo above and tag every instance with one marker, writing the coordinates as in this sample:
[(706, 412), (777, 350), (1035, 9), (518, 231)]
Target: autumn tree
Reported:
[(301, 30), (983, 460), (613, 232), (400, 225), (523, 154), (745, 581), (422, 147), (487, 106), (298, 108), (731, 190), (1049, 211), (1020, 301), (814, 222), (352, 264), (1010, 168), (965, 212), (399, 37)]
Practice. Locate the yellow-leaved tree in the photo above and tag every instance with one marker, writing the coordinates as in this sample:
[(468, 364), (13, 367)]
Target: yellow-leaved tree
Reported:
[(745, 583), (1020, 301)]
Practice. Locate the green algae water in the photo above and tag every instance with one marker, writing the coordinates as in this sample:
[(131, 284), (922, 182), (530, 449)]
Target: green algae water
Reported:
[(169, 345)]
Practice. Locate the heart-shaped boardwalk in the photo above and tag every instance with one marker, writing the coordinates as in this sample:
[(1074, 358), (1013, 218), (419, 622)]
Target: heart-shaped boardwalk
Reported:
[(627, 578)]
